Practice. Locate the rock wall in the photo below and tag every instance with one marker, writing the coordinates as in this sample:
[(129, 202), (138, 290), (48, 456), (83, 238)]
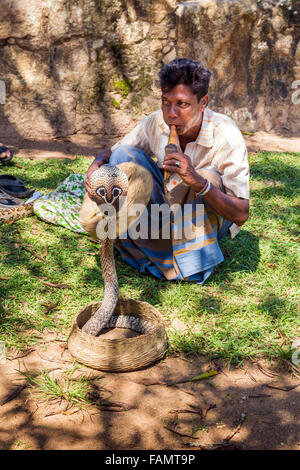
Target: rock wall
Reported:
[(90, 66), (253, 50)]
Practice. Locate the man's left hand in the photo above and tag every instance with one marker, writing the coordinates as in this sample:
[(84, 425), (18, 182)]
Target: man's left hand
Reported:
[(185, 169)]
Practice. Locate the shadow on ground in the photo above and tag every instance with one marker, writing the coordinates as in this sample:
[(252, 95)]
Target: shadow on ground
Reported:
[(254, 407)]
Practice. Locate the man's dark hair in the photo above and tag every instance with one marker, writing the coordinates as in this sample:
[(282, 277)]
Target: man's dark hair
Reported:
[(185, 72)]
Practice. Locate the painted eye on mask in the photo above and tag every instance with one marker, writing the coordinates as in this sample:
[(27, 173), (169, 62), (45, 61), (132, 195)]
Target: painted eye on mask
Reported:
[(116, 192), (101, 192)]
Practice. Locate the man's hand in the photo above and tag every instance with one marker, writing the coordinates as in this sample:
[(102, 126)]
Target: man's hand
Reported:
[(101, 159), (229, 207), (185, 169)]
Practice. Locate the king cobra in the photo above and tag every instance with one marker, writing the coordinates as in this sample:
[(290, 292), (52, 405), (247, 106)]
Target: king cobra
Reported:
[(107, 185)]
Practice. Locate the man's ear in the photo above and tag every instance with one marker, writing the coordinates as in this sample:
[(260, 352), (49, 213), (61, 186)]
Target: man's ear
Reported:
[(203, 102)]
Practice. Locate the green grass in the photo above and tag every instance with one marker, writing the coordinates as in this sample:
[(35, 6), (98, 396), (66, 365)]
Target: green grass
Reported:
[(72, 389), (249, 307)]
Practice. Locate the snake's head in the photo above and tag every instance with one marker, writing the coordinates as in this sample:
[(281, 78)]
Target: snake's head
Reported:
[(107, 184)]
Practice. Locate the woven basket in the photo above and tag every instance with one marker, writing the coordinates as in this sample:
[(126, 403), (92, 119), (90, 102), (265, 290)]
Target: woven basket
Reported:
[(118, 355)]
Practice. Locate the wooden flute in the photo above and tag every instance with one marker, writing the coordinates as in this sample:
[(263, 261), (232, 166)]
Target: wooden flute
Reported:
[(171, 147)]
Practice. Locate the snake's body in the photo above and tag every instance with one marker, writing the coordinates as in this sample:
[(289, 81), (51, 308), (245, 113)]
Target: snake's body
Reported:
[(111, 290), (108, 184), (15, 213)]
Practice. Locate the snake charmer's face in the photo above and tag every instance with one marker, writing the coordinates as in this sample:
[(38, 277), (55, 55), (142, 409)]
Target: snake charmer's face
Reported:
[(181, 108)]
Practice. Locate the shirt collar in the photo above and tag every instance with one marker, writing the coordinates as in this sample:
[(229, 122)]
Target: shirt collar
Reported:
[(164, 127), (206, 134)]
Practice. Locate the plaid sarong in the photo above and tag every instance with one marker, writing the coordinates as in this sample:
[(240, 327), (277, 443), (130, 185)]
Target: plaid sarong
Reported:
[(190, 259)]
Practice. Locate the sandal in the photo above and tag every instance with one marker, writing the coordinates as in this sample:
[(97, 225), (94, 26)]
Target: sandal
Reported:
[(8, 203), (8, 158), (4, 195), (13, 186)]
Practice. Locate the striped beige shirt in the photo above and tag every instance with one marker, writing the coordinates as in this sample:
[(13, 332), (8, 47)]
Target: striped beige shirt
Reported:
[(219, 146)]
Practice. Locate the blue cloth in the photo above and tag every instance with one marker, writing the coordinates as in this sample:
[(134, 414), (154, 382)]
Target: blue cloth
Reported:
[(157, 256)]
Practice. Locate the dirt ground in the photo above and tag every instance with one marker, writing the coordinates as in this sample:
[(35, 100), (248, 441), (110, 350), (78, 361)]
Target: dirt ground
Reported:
[(90, 145), (255, 406)]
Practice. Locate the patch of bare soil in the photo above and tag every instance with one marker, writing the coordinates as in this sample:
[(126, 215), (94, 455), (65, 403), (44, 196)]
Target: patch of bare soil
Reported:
[(269, 141), (90, 145), (253, 407)]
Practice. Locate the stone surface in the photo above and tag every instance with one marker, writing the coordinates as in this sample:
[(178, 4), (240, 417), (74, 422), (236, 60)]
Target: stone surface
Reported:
[(89, 67), (250, 48)]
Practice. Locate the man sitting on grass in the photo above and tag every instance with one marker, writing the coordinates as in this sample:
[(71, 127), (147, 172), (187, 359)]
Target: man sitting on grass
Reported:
[(209, 172)]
